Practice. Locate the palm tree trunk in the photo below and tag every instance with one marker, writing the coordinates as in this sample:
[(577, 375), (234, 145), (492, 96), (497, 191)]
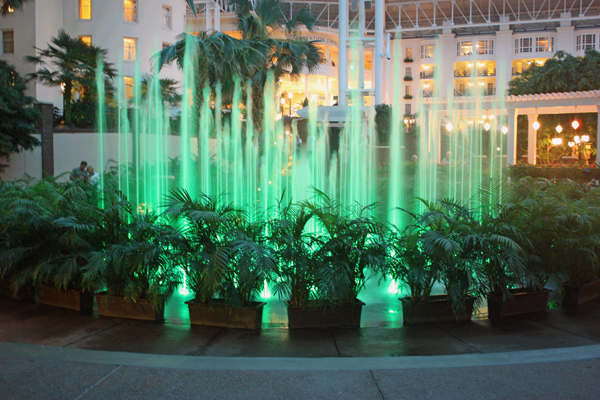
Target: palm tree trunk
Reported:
[(67, 102)]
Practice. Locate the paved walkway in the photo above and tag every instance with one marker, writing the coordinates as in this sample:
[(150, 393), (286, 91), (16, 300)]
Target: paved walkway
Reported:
[(46, 352)]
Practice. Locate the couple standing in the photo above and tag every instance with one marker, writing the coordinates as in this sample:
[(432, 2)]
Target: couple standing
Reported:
[(86, 173)]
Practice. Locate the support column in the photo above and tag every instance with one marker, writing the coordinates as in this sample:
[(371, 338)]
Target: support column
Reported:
[(208, 20), (598, 138), (511, 147), (361, 45), (327, 83), (531, 139), (378, 55), (217, 15), (46, 130), (343, 53)]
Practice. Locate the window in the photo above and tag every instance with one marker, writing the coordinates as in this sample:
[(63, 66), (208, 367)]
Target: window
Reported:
[(8, 42), (427, 51), (585, 41), (128, 85), (166, 17), (409, 53), (407, 90), (131, 10), (464, 48), (129, 47), (408, 72), (407, 109), (523, 45), (484, 47), (85, 9), (544, 44), (164, 46), (86, 39)]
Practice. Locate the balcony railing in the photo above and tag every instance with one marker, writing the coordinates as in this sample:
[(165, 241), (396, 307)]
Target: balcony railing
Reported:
[(427, 93), (427, 74), (519, 71), (470, 92), (480, 72), (462, 73)]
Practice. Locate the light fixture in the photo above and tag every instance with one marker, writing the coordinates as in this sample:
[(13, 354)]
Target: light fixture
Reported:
[(559, 128), (487, 126), (470, 84), (426, 85), (449, 126), (290, 95), (470, 122), (505, 130), (481, 64), (480, 83), (536, 125), (575, 124), (484, 116), (571, 144), (577, 139), (585, 138), (470, 65), (425, 66), (556, 141), (282, 100), (498, 148), (491, 116), (405, 121)]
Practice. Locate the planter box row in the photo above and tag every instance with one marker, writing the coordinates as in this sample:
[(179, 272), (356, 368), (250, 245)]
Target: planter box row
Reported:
[(437, 309)]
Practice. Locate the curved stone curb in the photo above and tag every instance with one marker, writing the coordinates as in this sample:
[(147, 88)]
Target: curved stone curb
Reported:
[(299, 364)]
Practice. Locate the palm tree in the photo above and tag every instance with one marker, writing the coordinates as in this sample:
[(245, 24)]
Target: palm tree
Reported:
[(71, 64), (168, 89), (256, 55), (9, 6)]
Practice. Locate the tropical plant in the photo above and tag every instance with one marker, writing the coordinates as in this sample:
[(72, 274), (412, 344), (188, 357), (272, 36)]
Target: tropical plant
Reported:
[(9, 6), (167, 89), (295, 248), (69, 63), (225, 259), (18, 115), (352, 248)]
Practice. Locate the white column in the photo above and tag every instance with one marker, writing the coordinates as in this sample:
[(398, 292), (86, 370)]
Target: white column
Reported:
[(343, 52), (327, 83), (217, 15), (361, 44), (531, 139), (208, 16), (378, 55), (511, 147)]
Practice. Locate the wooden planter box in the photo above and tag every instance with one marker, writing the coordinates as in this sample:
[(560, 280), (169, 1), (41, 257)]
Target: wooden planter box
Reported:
[(436, 309), (522, 302), (219, 314), (306, 317), (575, 295), (71, 299), (25, 293), (115, 306)]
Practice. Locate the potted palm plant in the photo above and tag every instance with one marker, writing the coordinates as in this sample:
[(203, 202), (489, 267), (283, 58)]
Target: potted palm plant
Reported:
[(437, 248), (351, 249), (226, 261), (138, 266)]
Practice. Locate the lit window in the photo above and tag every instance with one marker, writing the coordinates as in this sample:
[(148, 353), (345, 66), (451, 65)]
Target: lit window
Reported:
[(85, 9), (8, 42), (129, 47), (166, 14), (86, 39), (128, 84), (484, 47), (130, 10), (427, 51), (585, 41), (464, 48), (409, 53), (408, 73), (407, 109), (543, 44), (524, 45), (10, 9)]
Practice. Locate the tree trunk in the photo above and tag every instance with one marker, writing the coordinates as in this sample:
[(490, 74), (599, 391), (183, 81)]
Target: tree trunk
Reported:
[(67, 102)]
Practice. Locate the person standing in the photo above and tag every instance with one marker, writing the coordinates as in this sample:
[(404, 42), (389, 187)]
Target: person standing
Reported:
[(94, 176), (80, 172)]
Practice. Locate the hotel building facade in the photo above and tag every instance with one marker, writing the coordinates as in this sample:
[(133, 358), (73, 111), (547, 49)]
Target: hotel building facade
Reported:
[(441, 49)]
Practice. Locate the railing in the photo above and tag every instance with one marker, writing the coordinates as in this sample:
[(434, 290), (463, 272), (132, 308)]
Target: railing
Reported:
[(489, 92), (470, 92), (461, 92), (462, 73), (426, 74), (469, 73), (427, 93), (519, 71)]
